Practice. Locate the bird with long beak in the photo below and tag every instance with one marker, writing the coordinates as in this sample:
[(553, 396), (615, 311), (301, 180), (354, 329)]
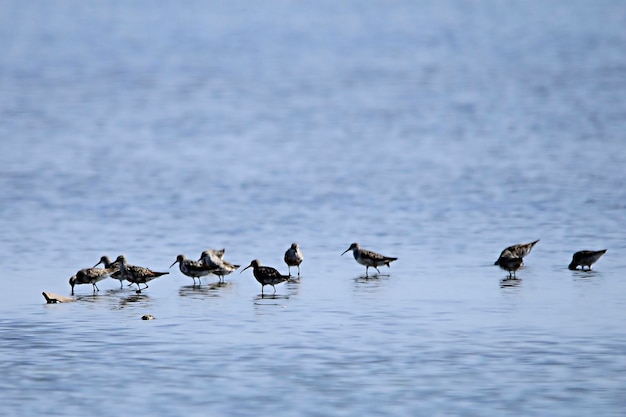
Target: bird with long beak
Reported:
[(106, 262), (266, 275), (191, 268), (369, 258), (90, 276)]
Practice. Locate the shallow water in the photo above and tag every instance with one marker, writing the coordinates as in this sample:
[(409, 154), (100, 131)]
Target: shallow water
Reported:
[(436, 132)]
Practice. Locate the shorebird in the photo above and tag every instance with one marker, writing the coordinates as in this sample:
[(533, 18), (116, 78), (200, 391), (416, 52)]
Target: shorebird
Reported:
[(266, 275), (585, 257), (90, 276), (214, 259), (369, 258), (191, 268), (521, 250), (294, 257), (510, 262), (137, 274), (106, 262)]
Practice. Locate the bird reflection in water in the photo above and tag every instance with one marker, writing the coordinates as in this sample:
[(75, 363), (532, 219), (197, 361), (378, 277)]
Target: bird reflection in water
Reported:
[(211, 290), (510, 282), (131, 299), (369, 283)]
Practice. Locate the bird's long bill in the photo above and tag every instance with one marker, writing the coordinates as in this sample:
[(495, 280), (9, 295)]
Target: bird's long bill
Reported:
[(245, 268), (97, 264), (345, 251), (174, 263)]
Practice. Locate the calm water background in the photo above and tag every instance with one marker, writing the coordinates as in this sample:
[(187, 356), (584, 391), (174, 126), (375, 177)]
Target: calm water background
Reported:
[(435, 131)]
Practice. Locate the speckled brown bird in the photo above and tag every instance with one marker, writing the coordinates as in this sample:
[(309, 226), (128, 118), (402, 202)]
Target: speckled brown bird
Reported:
[(90, 276), (520, 250), (137, 274)]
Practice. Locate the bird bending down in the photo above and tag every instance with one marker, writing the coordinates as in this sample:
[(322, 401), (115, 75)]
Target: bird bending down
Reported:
[(106, 262), (137, 274), (266, 275), (585, 258), (294, 257), (214, 259), (90, 276), (191, 268), (369, 258), (509, 262), (521, 250)]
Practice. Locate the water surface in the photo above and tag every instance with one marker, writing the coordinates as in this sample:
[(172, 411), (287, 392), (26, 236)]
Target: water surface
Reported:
[(436, 132)]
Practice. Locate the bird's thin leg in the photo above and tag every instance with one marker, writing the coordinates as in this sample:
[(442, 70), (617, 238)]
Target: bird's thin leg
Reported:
[(298, 270), (96, 287), (289, 270), (274, 288), (376, 268)]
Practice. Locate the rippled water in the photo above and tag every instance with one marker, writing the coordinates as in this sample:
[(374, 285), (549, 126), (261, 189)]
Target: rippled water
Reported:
[(436, 131)]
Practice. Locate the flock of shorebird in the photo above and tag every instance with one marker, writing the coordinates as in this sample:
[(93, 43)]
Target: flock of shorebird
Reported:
[(212, 262)]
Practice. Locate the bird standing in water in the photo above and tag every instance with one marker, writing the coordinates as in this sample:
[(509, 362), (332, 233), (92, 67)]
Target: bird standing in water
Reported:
[(294, 257), (266, 275), (509, 262), (191, 268), (215, 259), (106, 262), (137, 274), (585, 258), (369, 258), (90, 276)]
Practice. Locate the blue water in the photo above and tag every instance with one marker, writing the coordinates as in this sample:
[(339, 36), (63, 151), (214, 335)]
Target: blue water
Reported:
[(438, 132)]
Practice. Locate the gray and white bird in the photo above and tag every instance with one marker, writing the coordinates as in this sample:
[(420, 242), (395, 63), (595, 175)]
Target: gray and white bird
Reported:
[(215, 259), (369, 258), (294, 257), (191, 268)]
